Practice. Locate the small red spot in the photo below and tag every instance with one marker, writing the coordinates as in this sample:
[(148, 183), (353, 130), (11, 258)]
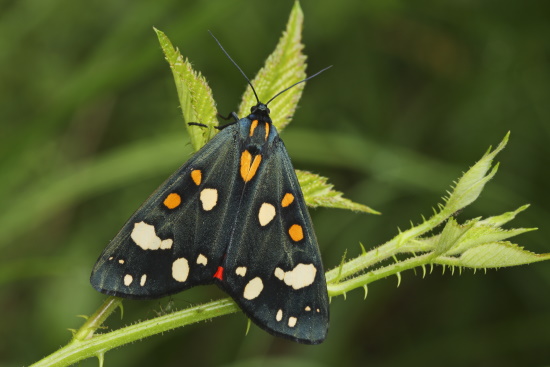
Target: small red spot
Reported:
[(219, 273)]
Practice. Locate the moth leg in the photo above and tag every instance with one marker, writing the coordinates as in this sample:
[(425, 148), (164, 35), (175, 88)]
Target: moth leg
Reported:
[(216, 127), (219, 127), (196, 124), (232, 115)]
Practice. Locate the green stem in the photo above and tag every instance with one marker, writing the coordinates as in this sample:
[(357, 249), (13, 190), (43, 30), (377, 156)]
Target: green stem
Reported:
[(337, 289), (97, 319), (389, 249), (78, 350)]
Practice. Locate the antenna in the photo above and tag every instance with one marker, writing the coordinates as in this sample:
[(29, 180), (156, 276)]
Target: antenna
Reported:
[(242, 72), (301, 81), (248, 80)]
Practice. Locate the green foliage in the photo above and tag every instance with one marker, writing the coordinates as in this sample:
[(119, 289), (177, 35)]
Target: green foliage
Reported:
[(318, 193), (195, 96), (90, 126), (475, 244), (284, 67)]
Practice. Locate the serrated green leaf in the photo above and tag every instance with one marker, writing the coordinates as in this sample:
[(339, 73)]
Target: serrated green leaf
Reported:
[(482, 234), (472, 182), (318, 192), (451, 235), (498, 254), (284, 67), (195, 96), (457, 238), (502, 219)]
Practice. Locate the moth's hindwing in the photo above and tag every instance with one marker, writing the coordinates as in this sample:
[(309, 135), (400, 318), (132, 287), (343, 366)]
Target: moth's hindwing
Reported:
[(233, 215)]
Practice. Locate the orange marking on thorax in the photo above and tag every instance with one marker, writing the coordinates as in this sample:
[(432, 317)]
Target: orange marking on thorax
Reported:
[(249, 166), (296, 232), (196, 175), (266, 130), (172, 201), (219, 273), (253, 127)]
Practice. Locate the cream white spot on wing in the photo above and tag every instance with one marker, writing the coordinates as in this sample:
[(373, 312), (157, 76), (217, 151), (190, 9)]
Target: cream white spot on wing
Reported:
[(143, 280), (241, 270), (166, 244), (301, 276), (180, 269), (279, 273), (209, 198), (121, 261), (308, 308), (266, 214), (145, 236), (292, 321), (110, 258), (128, 279), (279, 315), (202, 260), (253, 288)]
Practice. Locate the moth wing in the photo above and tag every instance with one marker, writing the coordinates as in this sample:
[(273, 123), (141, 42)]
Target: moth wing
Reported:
[(175, 240), (273, 266)]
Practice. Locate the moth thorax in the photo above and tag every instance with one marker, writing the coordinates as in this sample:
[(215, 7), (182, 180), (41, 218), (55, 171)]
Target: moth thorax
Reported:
[(259, 131)]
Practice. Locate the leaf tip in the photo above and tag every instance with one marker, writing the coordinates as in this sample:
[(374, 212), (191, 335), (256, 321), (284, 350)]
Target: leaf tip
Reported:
[(297, 8), (159, 33), (372, 211), (503, 143)]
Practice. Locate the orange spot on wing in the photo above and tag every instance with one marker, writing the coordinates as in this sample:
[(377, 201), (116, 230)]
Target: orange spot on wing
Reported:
[(196, 175), (287, 199), (172, 201), (249, 166), (266, 130), (253, 127), (296, 232)]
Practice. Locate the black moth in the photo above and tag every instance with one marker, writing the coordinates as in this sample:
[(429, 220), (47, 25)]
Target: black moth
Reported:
[(233, 215)]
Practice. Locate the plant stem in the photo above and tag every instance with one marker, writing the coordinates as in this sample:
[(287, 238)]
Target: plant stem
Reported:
[(388, 249), (337, 289), (95, 321), (78, 350)]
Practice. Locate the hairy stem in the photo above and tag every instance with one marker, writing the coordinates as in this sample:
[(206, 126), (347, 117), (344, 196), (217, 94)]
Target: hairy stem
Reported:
[(78, 350)]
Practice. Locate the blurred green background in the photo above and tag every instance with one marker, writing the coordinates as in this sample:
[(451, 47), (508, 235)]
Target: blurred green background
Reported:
[(90, 126)]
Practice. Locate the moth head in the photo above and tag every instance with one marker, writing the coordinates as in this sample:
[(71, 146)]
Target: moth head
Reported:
[(260, 112), (260, 109)]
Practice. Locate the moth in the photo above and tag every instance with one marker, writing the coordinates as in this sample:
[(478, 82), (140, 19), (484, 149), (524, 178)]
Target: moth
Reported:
[(233, 215)]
